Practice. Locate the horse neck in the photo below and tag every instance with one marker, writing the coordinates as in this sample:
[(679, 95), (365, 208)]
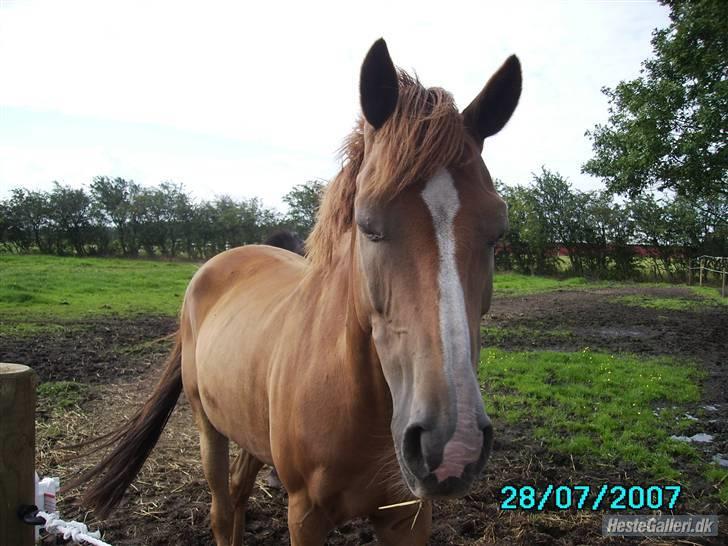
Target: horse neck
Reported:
[(360, 360)]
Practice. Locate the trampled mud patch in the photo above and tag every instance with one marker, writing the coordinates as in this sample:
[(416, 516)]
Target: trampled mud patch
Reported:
[(98, 350), (622, 332)]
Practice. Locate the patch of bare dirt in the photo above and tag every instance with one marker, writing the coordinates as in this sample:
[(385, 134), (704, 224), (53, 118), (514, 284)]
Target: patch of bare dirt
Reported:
[(98, 350)]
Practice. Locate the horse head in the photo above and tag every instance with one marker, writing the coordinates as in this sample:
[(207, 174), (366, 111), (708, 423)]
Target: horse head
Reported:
[(425, 219)]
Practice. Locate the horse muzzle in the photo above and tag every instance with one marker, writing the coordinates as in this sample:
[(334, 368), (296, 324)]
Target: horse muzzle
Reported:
[(434, 467)]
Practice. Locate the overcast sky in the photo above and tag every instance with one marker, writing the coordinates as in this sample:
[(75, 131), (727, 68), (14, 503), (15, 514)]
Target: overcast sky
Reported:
[(251, 98)]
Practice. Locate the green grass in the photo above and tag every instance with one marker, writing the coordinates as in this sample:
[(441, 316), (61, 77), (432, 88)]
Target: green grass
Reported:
[(706, 296), (38, 289), (515, 284), (57, 396), (496, 334), (595, 406), (719, 477), (653, 302), (712, 295)]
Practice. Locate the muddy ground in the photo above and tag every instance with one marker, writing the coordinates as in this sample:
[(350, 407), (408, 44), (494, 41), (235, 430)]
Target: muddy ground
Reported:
[(168, 504)]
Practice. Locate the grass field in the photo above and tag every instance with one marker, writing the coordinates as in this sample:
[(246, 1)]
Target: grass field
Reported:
[(710, 294), (701, 296), (38, 291), (611, 408), (515, 284), (38, 287), (651, 302)]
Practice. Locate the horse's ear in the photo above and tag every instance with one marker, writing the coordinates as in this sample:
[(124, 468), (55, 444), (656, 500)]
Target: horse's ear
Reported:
[(492, 108), (378, 85)]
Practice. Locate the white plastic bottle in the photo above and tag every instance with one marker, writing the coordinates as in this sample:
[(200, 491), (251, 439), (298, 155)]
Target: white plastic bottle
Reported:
[(48, 488)]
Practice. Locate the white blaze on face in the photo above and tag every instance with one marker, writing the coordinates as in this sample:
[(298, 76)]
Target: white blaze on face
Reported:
[(465, 445)]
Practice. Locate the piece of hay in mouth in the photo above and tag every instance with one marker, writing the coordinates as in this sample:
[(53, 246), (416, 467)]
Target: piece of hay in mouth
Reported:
[(406, 503)]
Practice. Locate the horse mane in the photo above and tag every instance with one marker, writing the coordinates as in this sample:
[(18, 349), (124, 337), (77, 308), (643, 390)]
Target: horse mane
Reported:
[(424, 133)]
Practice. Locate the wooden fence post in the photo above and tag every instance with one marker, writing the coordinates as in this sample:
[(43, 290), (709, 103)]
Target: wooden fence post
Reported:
[(17, 451), (701, 271), (722, 288)]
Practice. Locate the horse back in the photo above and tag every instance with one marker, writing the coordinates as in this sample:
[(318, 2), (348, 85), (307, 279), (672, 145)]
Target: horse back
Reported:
[(273, 272)]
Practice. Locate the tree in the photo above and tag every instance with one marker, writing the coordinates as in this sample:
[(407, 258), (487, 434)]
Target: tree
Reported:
[(254, 221), (152, 215), (561, 215), (183, 208), (608, 237), (27, 216), (668, 129), (176, 210), (70, 216), (114, 198), (303, 202), (527, 246)]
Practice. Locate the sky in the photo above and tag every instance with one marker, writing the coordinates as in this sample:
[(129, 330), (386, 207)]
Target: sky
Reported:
[(251, 98)]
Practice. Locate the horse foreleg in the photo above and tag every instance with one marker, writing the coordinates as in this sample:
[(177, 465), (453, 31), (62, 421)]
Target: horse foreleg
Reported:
[(404, 525), (308, 524), (214, 448), (242, 479)]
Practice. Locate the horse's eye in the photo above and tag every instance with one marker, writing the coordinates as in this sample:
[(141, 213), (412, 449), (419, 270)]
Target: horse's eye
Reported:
[(370, 225), (373, 236)]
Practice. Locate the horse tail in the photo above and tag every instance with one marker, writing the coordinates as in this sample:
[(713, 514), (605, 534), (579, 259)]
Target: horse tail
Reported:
[(134, 441)]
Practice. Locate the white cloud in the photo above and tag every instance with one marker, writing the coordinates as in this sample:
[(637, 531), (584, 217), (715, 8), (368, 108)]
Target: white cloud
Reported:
[(284, 76)]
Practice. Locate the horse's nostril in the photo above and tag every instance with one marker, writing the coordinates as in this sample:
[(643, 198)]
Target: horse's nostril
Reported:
[(412, 442), (412, 449)]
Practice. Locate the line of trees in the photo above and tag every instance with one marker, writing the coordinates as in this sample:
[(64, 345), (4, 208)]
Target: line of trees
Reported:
[(602, 236), (554, 228), (116, 216)]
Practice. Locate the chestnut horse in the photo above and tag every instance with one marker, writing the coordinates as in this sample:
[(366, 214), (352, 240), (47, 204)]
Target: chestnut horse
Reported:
[(352, 371)]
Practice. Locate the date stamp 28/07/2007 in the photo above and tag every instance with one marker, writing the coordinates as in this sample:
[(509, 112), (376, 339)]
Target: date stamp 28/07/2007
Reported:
[(586, 497)]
